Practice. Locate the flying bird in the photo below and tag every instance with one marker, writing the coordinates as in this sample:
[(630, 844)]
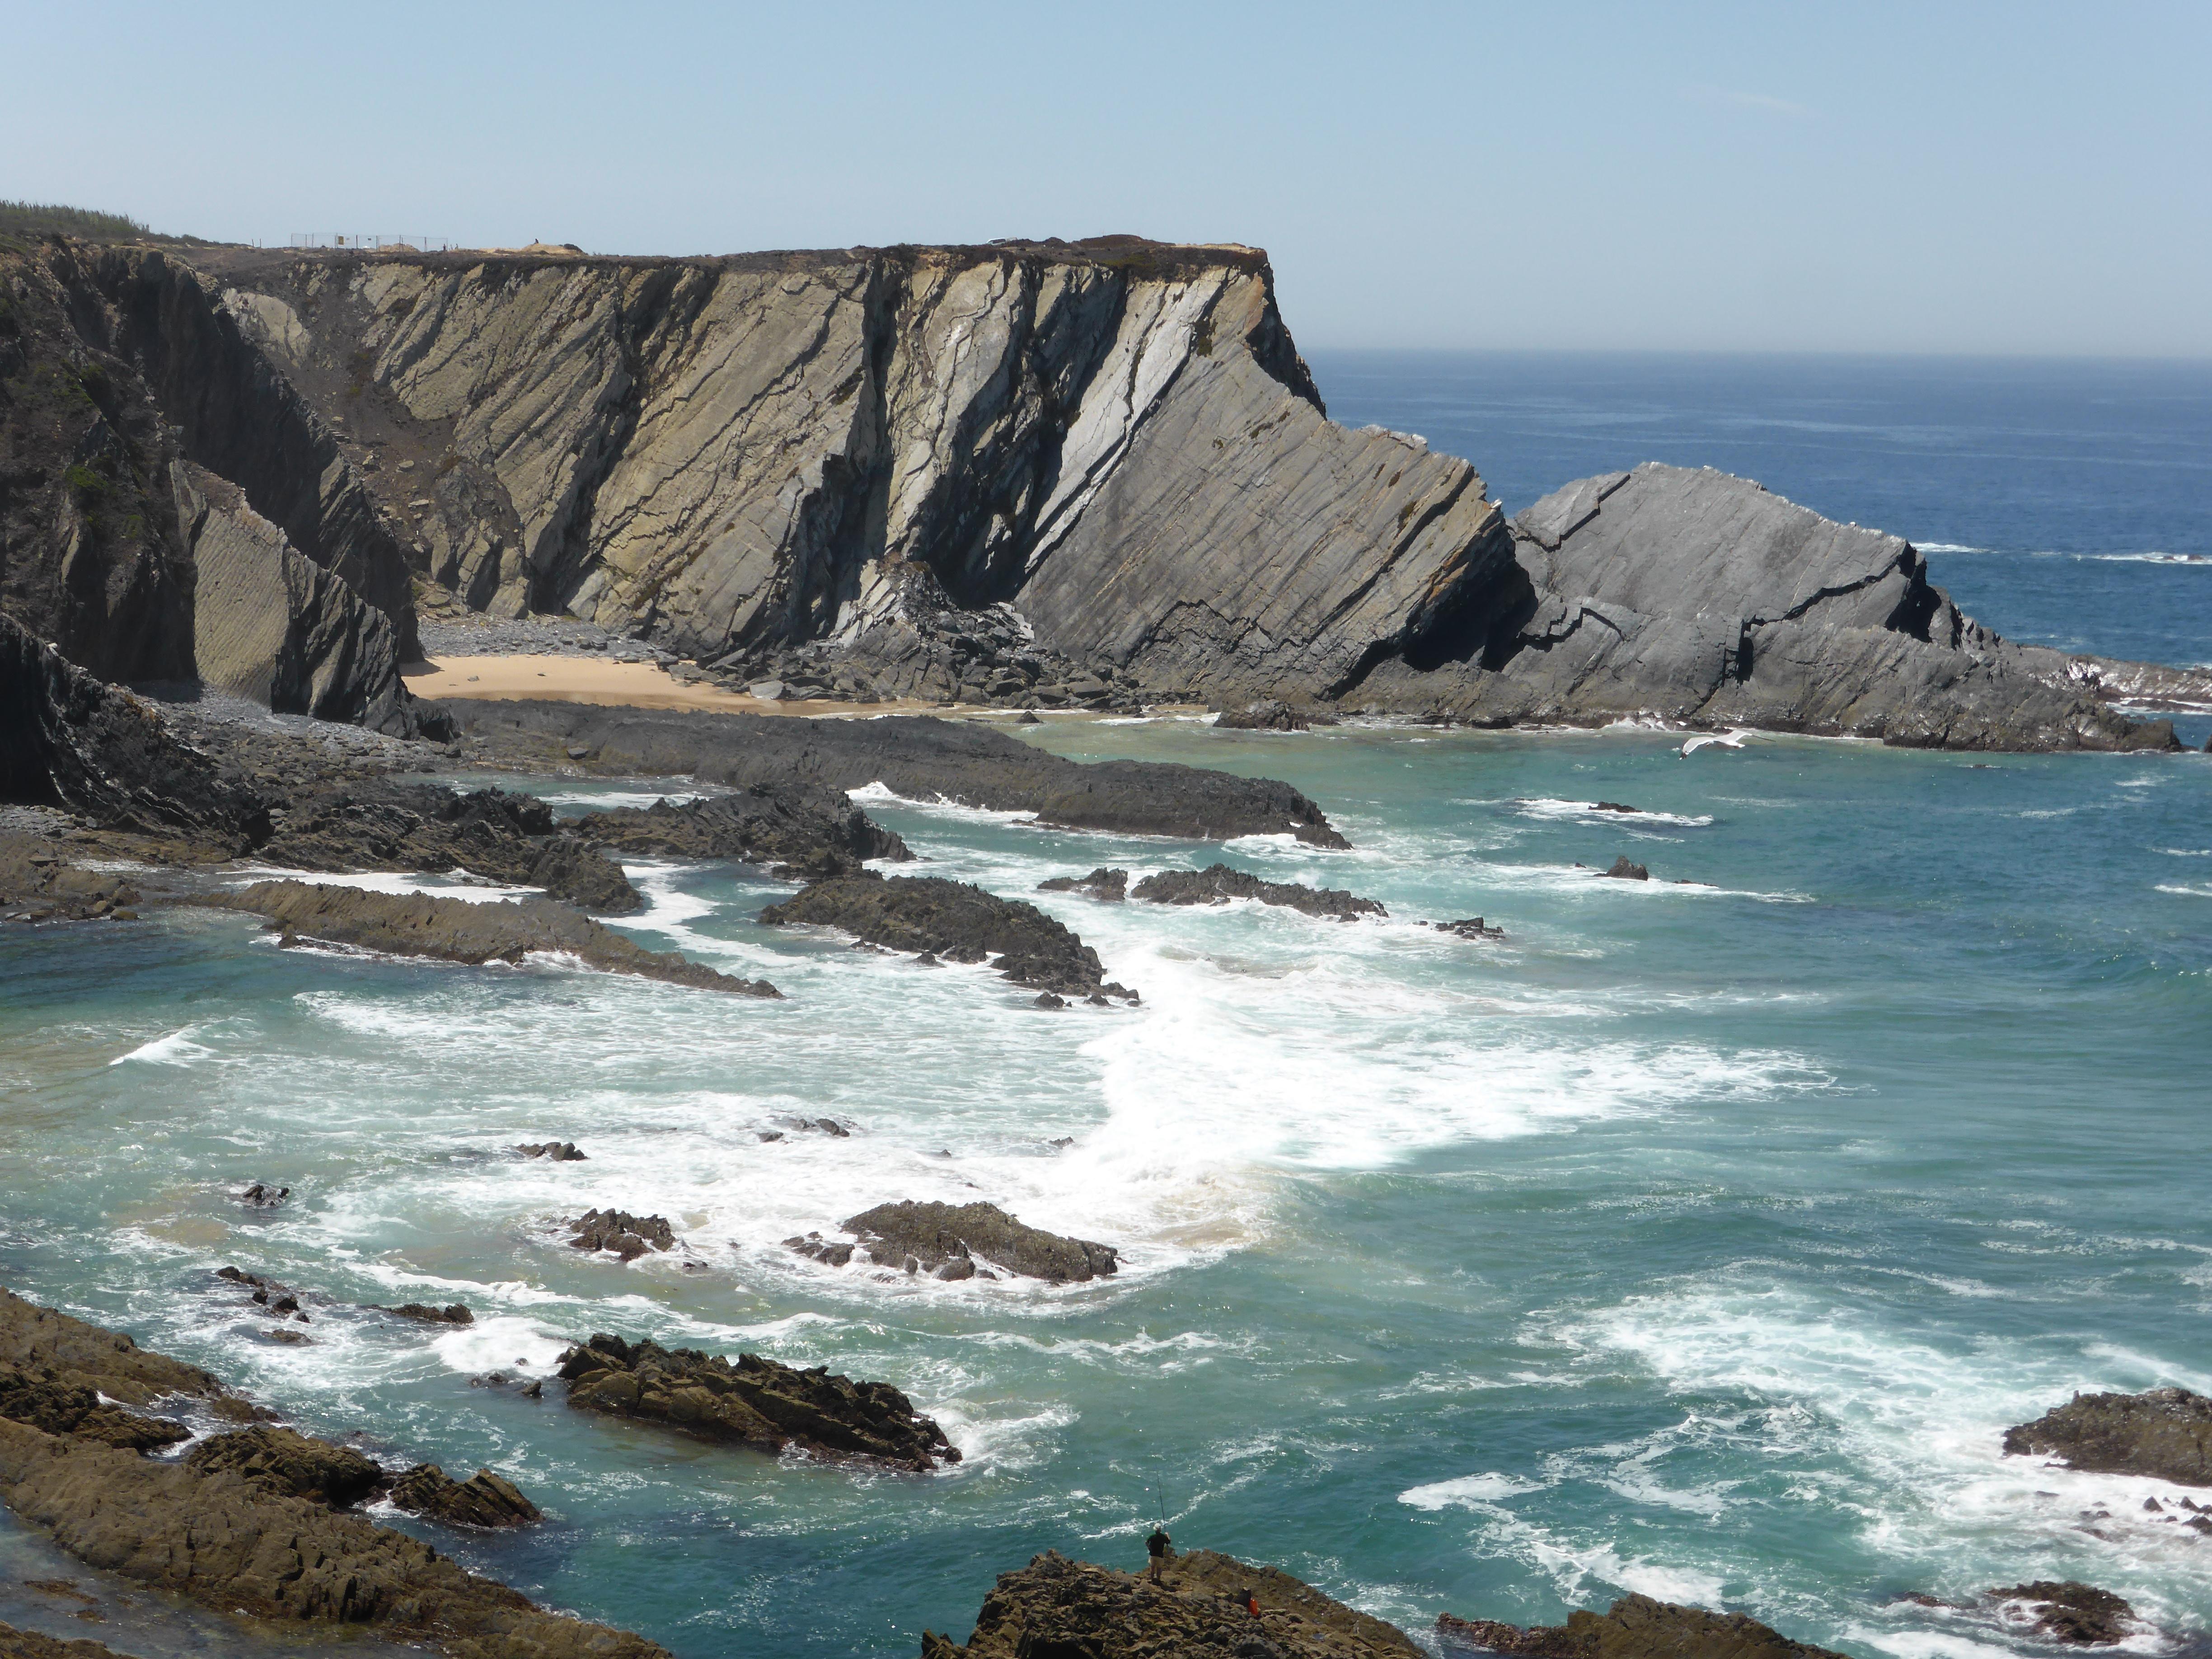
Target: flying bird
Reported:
[(1726, 740)]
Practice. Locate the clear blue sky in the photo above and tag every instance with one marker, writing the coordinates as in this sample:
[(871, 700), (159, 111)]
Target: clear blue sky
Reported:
[(2021, 177)]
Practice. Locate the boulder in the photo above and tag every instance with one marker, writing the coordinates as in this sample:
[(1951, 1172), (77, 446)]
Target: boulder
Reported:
[(1635, 1627), (2166, 1432), (1624, 871), (1112, 885), (754, 1402), (2075, 1613), (1266, 715), (628, 1236), (482, 1500), (1217, 884), (935, 1235), (560, 1151)]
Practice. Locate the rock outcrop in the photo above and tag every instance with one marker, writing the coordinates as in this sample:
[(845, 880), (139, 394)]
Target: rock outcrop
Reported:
[(1057, 1606), (754, 1402), (2073, 1614), (290, 1464), (482, 1500), (627, 1236), (919, 758), (944, 1239), (31, 1644), (1217, 884), (455, 930), (954, 922), (795, 827), (1635, 1627), (1111, 886), (39, 884), (2166, 1432), (1692, 596)]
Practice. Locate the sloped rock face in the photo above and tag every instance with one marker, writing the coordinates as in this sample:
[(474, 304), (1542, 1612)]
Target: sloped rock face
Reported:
[(791, 826), (2166, 1432), (1635, 1627), (59, 1408), (290, 1464), (941, 1235), (754, 1402), (1217, 884), (1697, 596), (482, 1500), (1057, 1606), (951, 919)]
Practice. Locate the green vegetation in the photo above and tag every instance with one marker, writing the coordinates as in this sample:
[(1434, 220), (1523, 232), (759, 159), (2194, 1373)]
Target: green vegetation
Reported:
[(50, 218)]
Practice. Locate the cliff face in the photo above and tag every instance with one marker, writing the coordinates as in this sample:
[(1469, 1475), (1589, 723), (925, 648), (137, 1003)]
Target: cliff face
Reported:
[(1116, 437)]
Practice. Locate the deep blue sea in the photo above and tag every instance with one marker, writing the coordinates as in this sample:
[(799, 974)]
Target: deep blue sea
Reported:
[(1699, 1238)]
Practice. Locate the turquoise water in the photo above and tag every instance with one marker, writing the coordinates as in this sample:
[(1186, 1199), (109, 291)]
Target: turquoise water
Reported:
[(1694, 1239)]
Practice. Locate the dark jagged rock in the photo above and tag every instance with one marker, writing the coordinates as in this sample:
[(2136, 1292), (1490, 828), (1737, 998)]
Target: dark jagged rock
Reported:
[(73, 1353), (1266, 715), (754, 1402), (1636, 1627), (916, 757), (2166, 1432), (2077, 1614), (260, 1196), (453, 1313), (1056, 1606), (292, 1464), (453, 930), (39, 884), (425, 827), (800, 828), (1614, 806), (1112, 885), (482, 1500), (74, 742), (628, 1236), (1624, 871), (560, 1151), (828, 1251), (952, 921), (940, 1235), (61, 1408), (1217, 884), (1469, 928)]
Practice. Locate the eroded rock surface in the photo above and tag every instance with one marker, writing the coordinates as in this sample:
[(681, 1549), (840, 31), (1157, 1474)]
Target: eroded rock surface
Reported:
[(2075, 1613), (455, 930), (1217, 884), (2166, 1432), (291, 1464), (1055, 1606), (1635, 1627), (798, 828), (482, 1500), (628, 1236), (945, 1238), (1112, 885), (753, 1403)]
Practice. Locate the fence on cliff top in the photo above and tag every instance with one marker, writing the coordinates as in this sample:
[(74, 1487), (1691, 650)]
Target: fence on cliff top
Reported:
[(305, 239)]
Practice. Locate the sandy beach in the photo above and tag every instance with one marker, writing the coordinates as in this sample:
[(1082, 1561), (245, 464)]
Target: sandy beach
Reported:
[(636, 686)]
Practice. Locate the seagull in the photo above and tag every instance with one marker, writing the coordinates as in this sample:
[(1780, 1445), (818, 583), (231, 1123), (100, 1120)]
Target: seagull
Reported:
[(1728, 740)]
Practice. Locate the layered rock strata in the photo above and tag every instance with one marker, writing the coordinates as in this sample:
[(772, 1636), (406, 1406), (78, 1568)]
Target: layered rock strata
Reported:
[(1055, 1606), (943, 1240), (1217, 884), (483, 1500), (795, 827), (455, 930), (1635, 1627), (754, 1402), (952, 921), (2166, 1432), (919, 758)]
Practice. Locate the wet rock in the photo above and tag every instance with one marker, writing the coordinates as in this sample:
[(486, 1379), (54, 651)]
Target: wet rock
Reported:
[(794, 825), (1614, 806), (951, 921), (1635, 1627), (2078, 1614), (62, 1409), (1047, 999), (1112, 885), (38, 883), (1266, 715), (453, 1313), (31, 1644), (264, 1197), (829, 1252), (2166, 1432), (1469, 928), (453, 930), (1624, 871), (560, 1151), (290, 1464), (1217, 884), (1056, 1606), (482, 1500), (936, 1234), (628, 1236), (753, 1403)]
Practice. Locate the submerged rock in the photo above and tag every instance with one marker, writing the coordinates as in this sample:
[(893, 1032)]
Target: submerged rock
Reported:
[(482, 1500), (2166, 1432), (754, 1402), (951, 921), (2078, 1614), (1635, 1627), (1217, 884), (628, 1236), (1112, 885), (1056, 1606), (455, 930), (938, 1234)]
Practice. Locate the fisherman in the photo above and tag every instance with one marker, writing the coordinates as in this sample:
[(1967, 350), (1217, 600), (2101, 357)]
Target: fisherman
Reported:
[(1160, 1548), (1251, 1604)]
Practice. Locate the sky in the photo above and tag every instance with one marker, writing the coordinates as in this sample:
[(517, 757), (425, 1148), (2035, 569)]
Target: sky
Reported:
[(2018, 178)]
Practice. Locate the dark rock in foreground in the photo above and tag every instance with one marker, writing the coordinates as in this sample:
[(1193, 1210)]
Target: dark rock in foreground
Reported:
[(628, 1236), (2077, 1614), (950, 920), (74, 1353), (915, 756), (1112, 885), (2166, 1432), (455, 930), (290, 1464), (482, 1500), (1636, 1627), (1056, 1606), (1217, 884), (800, 828), (944, 1238), (753, 1403)]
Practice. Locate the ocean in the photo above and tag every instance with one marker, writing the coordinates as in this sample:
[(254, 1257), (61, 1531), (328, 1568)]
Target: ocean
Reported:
[(1697, 1237)]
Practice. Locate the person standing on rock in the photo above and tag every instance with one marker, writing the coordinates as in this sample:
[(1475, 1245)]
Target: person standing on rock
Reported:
[(1160, 1548)]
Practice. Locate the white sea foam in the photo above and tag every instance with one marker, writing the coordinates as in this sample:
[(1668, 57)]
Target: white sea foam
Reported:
[(177, 1049), (456, 884), (1468, 1491), (1590, 813)]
